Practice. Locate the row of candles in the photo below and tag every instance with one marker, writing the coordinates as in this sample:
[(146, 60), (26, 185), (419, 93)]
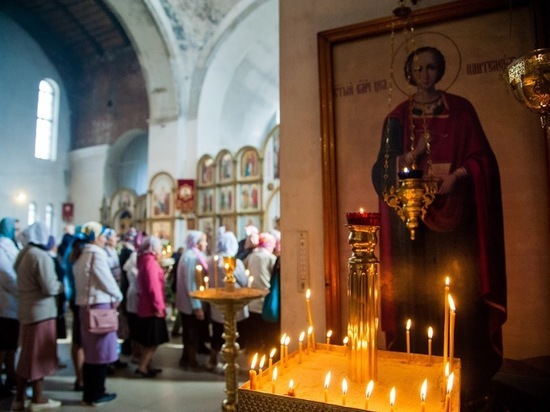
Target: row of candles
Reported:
[(204, 281)]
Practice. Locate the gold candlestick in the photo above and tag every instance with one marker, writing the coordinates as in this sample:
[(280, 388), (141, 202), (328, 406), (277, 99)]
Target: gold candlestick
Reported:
[(229, 263), (363, 289)]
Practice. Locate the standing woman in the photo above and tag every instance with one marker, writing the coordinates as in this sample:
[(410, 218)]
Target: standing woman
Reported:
[(151, 305), (9, 325), (192, 313), (38, 287), (95, 288)]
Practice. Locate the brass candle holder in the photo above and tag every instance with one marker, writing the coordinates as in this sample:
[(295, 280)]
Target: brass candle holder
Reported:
[(411, 200), (229, 263), (363, 289), (229, 302)]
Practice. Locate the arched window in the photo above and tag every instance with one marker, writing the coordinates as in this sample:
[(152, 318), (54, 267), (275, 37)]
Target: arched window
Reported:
[(31, 214), (46, 120), (48, 216)]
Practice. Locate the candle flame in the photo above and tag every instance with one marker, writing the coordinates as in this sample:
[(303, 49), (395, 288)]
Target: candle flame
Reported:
[(345, 341), (216, 257), (291, 384), (247, 272), (329, 333), (392, 396), (287, 340), (424, 390), (302, 335), (199, 268), (370, 387), (327, 380), (272, 353), (344, 386), (450, 383), (430, 332), (308, 294), (274, 375), (447, 281), (310, 330), (206, 279), (254, 360), (406, 170), (283, 339), (452, 303), (262, 362), (201, 288), (409, 324), (226, 266), (361, 210)]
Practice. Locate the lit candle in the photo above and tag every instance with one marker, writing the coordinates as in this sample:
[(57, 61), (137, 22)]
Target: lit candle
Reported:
[(287, 342), (327, 382), (448, 394), (198, 274), (216, 258), (252, 372), (309, 318), (206, 280), (392, 398), (300, 344), (262, 363), (368, 393), (423, 391), (273, 379), (271, 355), (344, 390), (329, 334), (452, 331), (446, 327), (309, 339), (250, 281), (345, 343), (408, 339), (201, 288), (430, 336), (282, 350), (291, 391)]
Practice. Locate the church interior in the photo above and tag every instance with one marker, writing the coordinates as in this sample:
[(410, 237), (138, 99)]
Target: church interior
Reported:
[(173, 115)]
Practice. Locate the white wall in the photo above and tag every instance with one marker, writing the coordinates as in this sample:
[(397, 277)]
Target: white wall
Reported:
[(22, 65)]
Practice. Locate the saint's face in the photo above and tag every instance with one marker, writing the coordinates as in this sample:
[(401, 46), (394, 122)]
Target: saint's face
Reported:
[(425, 71)]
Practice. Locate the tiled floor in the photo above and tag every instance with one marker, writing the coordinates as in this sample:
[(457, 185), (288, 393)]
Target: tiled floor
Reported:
[(175, 389)]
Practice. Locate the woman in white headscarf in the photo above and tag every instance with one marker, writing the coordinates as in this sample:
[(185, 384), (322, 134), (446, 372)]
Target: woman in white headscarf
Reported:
[(95, 287), (192, 313), (38, 287), (226, 245)]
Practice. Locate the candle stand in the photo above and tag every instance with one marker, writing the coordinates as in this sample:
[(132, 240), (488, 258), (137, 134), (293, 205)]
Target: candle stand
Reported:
[(363, 289), (229, 302)]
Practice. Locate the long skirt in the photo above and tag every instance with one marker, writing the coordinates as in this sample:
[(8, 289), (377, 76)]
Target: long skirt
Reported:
[(38, 356), (98, 349)]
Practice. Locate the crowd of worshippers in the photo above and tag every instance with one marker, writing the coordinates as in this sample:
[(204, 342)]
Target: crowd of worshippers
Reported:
[(48, 288)]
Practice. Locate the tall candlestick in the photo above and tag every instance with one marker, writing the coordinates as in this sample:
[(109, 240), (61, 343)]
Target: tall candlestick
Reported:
[(327, 382), (430, 336), (252, 372), (216, 258), (271, 355), (300, 344), (287, 342), (309, 318), (392, 398), (408, 339), (452, 331), (423, 392), (262, 362), (329, 334), (282, 350), (344, 390), (368, 393), (274, 379), (446, 327)]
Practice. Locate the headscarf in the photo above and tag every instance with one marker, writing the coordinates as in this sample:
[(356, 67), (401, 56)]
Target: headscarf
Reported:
[(252, 237), (7, 228), (151, 244), (267, 241), (227, 244), (37, 234), (92, 231), (108, 233), (193, 239)]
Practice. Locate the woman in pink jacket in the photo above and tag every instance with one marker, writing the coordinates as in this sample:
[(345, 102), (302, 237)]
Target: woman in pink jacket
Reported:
[(151, 306)]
